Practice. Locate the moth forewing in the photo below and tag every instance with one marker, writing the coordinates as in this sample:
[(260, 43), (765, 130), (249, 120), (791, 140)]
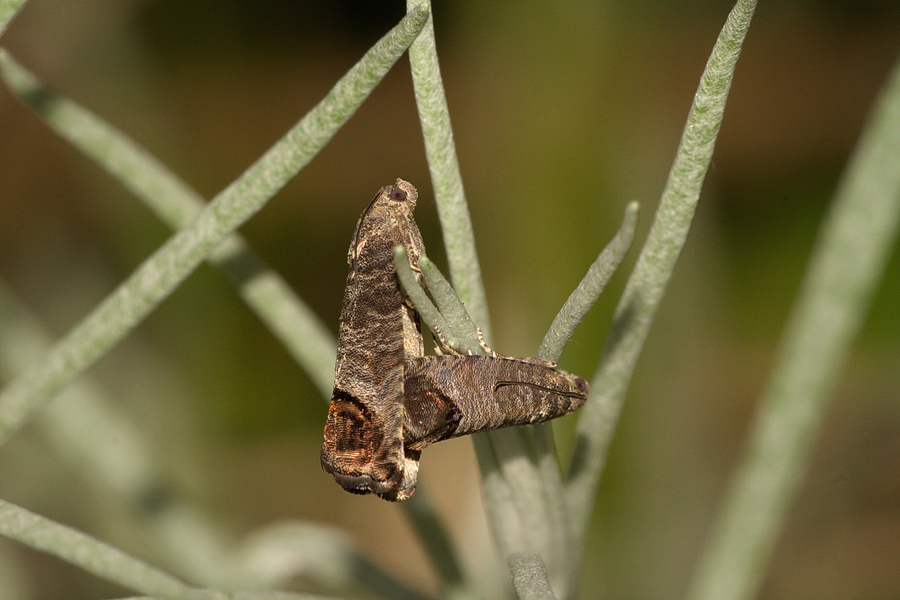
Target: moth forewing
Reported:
[(362, 446), (452, 396)]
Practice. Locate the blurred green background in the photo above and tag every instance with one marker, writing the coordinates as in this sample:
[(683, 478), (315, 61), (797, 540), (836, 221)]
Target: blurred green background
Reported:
[(562, 113)]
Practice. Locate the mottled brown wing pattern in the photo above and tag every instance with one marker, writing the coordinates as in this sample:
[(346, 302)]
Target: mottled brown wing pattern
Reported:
[(389, 400), (363, 442), (452, 396)]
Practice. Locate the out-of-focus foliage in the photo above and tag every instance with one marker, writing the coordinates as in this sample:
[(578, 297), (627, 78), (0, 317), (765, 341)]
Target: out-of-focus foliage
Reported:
[(562, 113)]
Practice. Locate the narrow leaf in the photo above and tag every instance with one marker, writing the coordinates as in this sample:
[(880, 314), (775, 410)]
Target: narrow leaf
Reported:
[(88, 553), (160, 274), (644, 289), (304, 335), (449, 317), (525, 509), (8, 11), (530, 577), (424, 306), (456, 224), (419, 507), (589, 289), (848, 261)]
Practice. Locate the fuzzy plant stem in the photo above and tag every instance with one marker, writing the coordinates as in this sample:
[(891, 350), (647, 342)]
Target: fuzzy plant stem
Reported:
[(525, 509), (100, 443), (290, 319), (440, 151), (530, 577), (163, 271), (653, 269), (8, 11), (589, 289), (849, 258), (88, 553), (110, 563)]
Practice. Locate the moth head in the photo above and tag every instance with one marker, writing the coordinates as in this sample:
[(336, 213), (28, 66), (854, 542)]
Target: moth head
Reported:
[(393, 202), (397, 194), (581, 385), (403, 193)]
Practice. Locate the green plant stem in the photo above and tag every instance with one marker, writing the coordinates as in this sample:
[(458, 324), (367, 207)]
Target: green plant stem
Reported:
[(424, 306), (111, 563), (522, 490), (525, 509), (520, 477), (452, 308), (580, 301), (133, 300), (88, 553), (193, 541), (848, 260), (279, 554), (308, 340), (449, 317), (456, 224), (434, 536), (653, 269), (419, 508), (530, 577), (589, 289), (8, 11)]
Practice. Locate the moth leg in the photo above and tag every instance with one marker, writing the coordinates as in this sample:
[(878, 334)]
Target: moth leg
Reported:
[(407, 485), (537, 361), (442, 346), (484, 345)]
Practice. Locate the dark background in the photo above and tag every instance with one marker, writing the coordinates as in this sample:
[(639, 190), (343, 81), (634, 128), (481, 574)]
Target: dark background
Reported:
[(562, 113)]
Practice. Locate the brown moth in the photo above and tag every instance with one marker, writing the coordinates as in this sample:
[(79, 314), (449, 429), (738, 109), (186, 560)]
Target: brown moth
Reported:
[(453, 396), (363, 442), (389, 401)]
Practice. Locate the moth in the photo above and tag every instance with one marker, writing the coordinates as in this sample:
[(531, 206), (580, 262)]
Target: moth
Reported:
[(363, 442), (453, 396), (389, 400)]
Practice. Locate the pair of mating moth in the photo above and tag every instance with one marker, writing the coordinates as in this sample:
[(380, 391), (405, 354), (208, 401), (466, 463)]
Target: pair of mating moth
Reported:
[(390, 401)]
